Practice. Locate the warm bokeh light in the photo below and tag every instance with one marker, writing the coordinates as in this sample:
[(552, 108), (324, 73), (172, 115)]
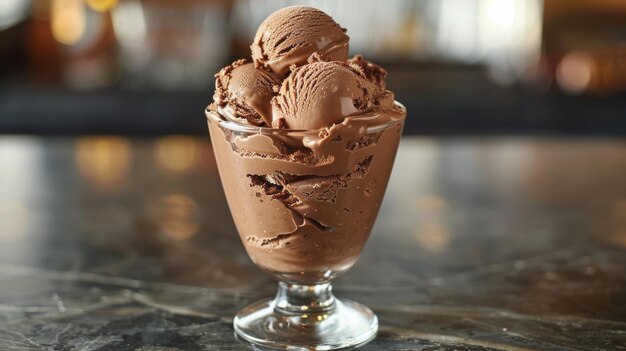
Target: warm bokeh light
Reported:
[(432, 202), (129, 23), (176, 153), (499, 13), (178, 216), (104, 162), (102, 5), (433, 235), (503, 34), (12, 12), (431, 231), (575, 72), (68, 20)]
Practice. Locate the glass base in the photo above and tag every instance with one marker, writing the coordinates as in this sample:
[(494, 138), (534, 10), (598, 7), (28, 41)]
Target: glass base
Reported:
[(326, 324)]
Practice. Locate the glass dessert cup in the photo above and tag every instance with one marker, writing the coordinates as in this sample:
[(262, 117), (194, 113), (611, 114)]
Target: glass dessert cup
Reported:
[(304, 203)]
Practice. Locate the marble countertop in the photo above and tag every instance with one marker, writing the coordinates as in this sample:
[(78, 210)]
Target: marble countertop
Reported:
[(109, 243)]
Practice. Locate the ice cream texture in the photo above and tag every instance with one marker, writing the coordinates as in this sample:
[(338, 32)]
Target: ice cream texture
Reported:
[(290, 35), (304, 154), (246, 92), (322, 93)]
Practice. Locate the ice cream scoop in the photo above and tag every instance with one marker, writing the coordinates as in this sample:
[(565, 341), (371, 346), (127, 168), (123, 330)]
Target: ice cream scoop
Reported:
[(321, 94), (290, 35), (373, 72), (245, 92)]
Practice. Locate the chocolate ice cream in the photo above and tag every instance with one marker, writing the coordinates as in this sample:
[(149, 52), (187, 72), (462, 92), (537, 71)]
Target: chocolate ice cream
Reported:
[(245, 92), (373, 72), (305, 194), (321, 94), (290, 35)]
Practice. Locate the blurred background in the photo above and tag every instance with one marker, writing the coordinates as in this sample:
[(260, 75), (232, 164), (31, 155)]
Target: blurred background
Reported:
[(133, 67)]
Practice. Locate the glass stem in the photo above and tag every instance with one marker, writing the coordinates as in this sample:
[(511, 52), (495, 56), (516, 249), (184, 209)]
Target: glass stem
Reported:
[(295, 299)]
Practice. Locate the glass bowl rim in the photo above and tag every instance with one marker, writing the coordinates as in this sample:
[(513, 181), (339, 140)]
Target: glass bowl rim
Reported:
[(212, 116)]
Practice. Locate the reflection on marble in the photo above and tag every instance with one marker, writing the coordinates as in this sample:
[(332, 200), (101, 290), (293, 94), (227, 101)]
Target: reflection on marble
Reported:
[(481, 244)]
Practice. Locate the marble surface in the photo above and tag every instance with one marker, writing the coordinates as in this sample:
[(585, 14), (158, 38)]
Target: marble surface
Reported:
[(108, 243)]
